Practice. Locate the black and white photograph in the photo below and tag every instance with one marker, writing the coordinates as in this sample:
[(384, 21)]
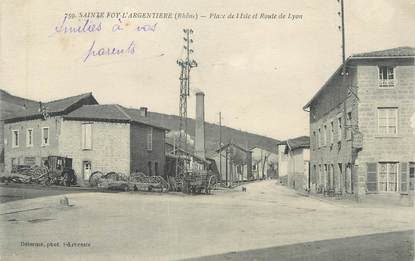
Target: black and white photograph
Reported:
[(207, 130)]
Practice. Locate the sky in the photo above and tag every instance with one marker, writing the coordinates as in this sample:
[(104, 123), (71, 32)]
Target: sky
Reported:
[(258, 73)]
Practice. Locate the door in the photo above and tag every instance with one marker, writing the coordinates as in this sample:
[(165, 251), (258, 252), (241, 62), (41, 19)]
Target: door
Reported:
[(86, 169)]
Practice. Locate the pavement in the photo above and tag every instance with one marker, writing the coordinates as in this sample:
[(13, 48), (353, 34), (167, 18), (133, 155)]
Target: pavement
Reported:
[(229, 225), (13, 191), (374, 247)]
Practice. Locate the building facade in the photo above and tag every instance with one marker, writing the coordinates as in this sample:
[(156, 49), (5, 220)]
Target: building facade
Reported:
[(234, 163), (294, 163), (96, 137), (264, 164), (362, 140), (32, 134)]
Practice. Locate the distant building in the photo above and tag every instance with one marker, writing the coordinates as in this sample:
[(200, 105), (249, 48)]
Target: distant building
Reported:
[(360, 126), (234, 163), (191, 160), (97, 137), (264, 163), (293, 163)]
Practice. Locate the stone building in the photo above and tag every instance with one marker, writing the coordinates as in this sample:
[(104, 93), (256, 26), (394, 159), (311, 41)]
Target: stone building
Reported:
[(234, 163), (31, 134), (362, 140), (97, 137), (12, 106), (264, 163), (293, 163)]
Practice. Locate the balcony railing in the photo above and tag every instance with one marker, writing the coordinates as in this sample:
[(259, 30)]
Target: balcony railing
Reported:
[(386, 83)]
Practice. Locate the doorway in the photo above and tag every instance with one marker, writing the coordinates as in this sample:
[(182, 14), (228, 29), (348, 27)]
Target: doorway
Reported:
[(86, 169)]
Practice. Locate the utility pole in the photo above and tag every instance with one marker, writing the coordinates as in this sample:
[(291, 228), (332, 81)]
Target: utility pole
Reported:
[(226, 166), (186, 65), (348, 127), (344, 70), (343, 39), (220, 144)]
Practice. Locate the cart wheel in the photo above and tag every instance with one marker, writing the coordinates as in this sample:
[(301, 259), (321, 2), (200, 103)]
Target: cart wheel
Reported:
[(150, 188)]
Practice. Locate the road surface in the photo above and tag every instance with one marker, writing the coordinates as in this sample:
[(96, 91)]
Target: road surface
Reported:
[(268, 220)]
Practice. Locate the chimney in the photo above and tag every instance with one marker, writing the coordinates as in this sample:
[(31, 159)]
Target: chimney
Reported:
[(200, 125), (143, 111)]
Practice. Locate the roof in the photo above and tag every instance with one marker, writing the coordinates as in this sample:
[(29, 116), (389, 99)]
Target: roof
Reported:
[(399, 52), (189, 153), (394, 52), (55, 107), (111, 113), (297, 143), (11, 105), (232, 144), (63, 104)]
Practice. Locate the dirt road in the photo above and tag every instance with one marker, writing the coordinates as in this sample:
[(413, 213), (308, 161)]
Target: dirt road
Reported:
[(152, 226)]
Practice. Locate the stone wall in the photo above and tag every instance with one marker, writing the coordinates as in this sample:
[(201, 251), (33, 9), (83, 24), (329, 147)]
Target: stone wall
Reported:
[(141, 157), (24, 154), (110, 146)]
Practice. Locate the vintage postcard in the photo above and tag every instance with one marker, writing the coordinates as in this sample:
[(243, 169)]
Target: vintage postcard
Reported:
[(207, 130)]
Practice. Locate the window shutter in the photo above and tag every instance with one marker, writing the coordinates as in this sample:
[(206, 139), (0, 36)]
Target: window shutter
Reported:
[(404, 177), (83, 136), (88, 136), (371, 182)]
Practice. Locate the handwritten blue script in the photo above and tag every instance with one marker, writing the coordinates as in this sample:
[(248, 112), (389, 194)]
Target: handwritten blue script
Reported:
[(94, 51), (86, 26)]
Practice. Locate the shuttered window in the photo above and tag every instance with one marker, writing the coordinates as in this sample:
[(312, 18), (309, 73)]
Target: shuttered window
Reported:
[(349, 125), (314, 175), (411, 176), (45, 136), (404, 177), (371, 180), (388, 176), (319, 138), (87, 136), (339, 129), (15, 138), (149, 138)]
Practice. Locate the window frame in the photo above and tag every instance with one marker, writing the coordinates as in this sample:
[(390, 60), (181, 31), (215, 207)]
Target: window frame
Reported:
[(388, 172), (386, 86), (349, 116), (83, 136), (43, 136), (339, 127), (27, 137), (387, 121), (149, 139), (15, 139), (319, 137)]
